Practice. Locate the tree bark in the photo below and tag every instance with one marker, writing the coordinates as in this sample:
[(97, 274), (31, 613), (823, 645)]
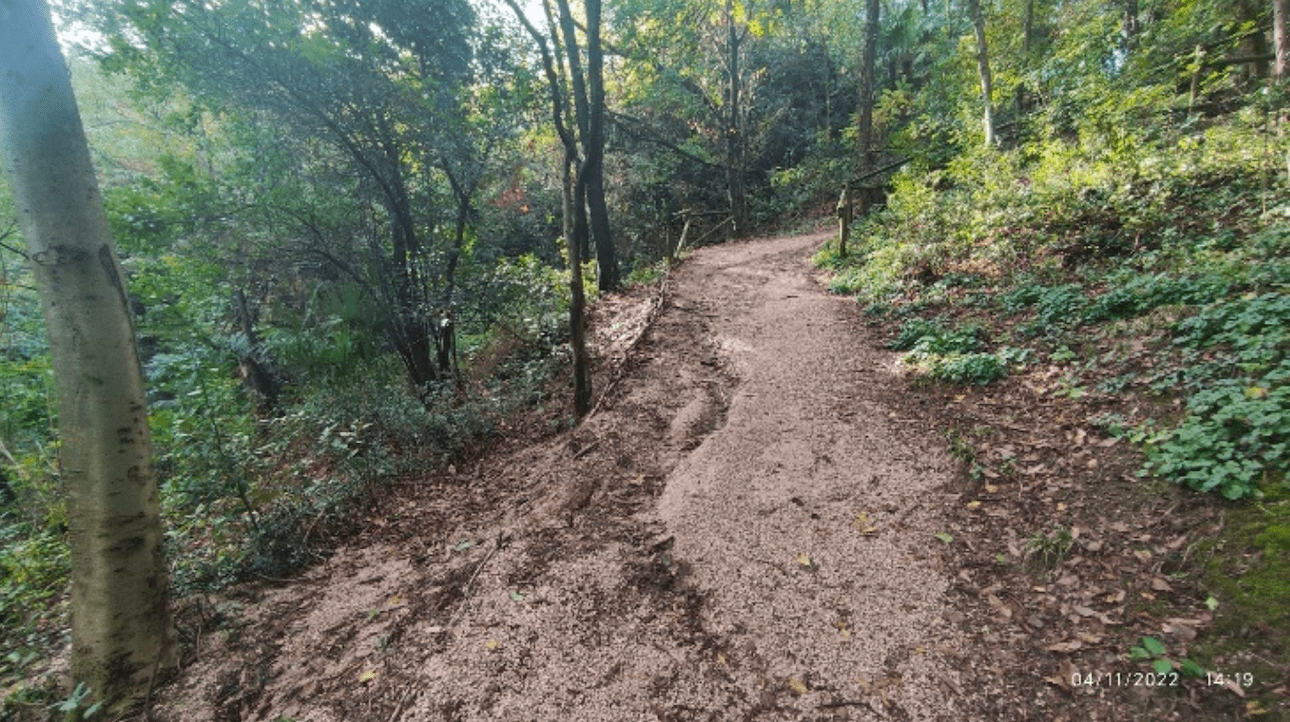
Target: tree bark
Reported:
[(735, 189), (257, 370), (983, 67), (589, 110), (868, 58), (121, 629), (573, 202), (606, 256), (1131, 23), (1281, 38), (1028, 28)]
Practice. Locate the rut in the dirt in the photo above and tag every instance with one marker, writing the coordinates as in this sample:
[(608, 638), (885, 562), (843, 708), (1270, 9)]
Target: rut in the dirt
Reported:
[(742, 531)]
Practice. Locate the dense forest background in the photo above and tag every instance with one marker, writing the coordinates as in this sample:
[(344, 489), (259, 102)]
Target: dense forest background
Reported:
[(344, 227)]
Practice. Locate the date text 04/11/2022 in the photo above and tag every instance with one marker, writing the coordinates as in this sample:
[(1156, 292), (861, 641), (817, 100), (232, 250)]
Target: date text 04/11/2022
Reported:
[(1153, 679)]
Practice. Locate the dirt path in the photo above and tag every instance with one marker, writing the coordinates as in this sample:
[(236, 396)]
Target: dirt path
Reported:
[(744, 530), (800, 518)]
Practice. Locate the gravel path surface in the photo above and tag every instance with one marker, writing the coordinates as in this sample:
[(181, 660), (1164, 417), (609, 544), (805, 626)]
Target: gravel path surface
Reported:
[(744, 530), (799, 518)]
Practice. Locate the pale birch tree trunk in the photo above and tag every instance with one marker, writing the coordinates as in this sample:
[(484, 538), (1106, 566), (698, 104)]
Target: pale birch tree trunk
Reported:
[(120, 616)]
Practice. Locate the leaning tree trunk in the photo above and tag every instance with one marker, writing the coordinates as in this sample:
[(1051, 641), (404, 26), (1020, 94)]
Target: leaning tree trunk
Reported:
[(120, 616), (983, 66)]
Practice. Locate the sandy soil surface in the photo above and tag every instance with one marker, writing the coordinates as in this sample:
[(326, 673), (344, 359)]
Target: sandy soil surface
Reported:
[(742, 529)]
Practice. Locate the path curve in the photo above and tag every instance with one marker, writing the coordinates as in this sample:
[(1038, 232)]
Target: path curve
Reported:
[(800, 517), (745, 530)]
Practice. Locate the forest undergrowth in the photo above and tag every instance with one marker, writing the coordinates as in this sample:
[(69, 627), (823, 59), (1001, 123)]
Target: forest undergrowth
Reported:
[(1127, 311), (257, 496)]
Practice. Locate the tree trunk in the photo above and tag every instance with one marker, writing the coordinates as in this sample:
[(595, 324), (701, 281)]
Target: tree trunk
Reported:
[(594, 150), (983, 66), (121, 628), (1254, 47), (1028, 28), (1131, 23), (589, 107), (868, 57), (258, 370), (578, 302), (735, 189), (1281, 38), (573, 202)]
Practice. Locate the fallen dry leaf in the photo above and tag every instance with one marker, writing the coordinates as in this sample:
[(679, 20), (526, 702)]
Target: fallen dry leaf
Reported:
[(1066, 647)]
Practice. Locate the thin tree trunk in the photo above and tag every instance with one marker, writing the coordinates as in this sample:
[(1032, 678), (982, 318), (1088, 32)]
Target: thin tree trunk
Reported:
[(864, 130), (983, 66), (735, 189), (594, 150), (1281, 38), (1256, 43), (1131, 24), (258, 371), (1028, 28), (589, 107), (573, 201), (577, 303), (121, 629)]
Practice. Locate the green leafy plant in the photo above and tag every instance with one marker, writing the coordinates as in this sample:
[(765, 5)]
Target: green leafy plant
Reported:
[(950, 355), (1153, 652), (1235, 436), (977, 368), (1051, 547)]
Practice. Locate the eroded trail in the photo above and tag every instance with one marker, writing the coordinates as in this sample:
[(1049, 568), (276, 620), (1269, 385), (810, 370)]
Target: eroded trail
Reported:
[(800, 517), (744, 530)]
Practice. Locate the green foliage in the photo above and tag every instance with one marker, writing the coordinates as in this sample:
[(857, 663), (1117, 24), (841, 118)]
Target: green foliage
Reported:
[(646, 274), (33, 572), (976, 368), (1056, 308), (74, 708), (1051, 547), (1235, 436), (1154, 652), (953, 356)]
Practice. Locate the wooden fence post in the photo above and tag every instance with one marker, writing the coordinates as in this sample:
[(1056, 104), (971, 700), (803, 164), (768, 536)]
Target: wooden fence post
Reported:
[(844, 219)]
